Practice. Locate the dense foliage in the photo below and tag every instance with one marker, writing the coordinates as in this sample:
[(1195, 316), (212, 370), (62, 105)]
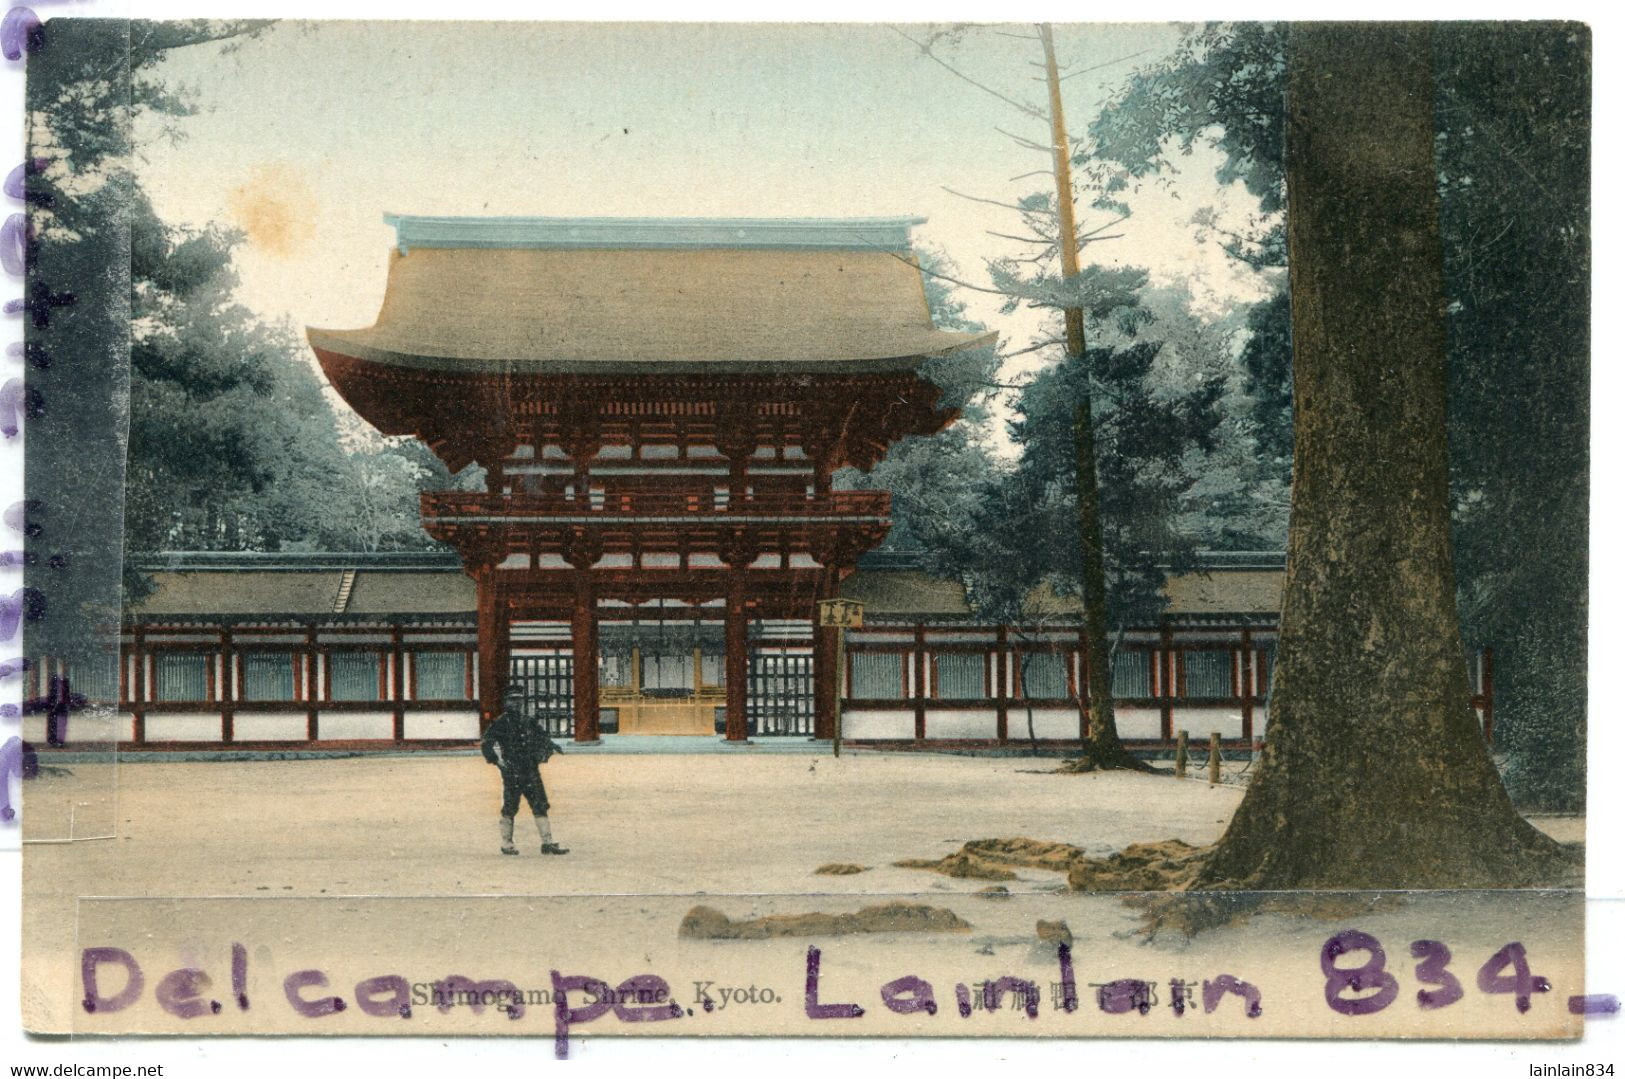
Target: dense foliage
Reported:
[(217, 424), (1512, 146)]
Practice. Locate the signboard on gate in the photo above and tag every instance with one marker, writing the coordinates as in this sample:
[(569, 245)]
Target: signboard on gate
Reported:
[(841, 613)]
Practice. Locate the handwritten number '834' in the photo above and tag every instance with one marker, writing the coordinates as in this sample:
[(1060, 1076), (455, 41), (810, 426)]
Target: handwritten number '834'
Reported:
[(1432, 970)]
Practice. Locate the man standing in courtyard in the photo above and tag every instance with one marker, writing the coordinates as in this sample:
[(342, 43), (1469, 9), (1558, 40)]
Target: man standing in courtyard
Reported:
[(518, 746)]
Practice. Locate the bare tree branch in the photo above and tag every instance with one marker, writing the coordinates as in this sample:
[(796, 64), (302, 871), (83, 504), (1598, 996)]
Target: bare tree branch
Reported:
[(1030, 110), (1025, 142), (1023, 239), (946, 277), (1102, 228), (990, 202), (1038, 346), (1108, 63)]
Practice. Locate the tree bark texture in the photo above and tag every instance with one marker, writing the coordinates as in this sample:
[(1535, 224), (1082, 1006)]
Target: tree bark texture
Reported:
[(1375, 774), (1102, 718)]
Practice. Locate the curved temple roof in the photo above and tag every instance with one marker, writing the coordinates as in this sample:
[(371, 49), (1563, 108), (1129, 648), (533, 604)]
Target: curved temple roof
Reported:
[(639, 295)]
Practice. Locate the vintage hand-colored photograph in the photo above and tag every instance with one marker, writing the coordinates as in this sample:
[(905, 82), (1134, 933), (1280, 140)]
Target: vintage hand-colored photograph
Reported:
[(1050, 530)]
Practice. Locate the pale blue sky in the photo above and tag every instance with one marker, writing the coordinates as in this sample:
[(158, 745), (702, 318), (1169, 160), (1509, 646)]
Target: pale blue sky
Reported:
[(329, 125), (306, 135)]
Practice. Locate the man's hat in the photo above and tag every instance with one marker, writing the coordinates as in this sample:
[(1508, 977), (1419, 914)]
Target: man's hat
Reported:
[(514, 694)]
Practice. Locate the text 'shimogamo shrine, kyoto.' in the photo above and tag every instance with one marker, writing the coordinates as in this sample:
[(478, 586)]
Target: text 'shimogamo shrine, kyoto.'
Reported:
[(660, 406)]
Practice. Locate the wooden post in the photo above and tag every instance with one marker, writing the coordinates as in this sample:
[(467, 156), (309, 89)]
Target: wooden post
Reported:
[(1001, 685), (138, 690), (1166, 669), (491, 630), (1213, 764), (398, 681), (584, 656), (839, 615), (312, 685), (919, 681), (737, 642), (228, 687), (840, 686), (1247, 683), (1181, 753), (1487, 688), (826, 677)]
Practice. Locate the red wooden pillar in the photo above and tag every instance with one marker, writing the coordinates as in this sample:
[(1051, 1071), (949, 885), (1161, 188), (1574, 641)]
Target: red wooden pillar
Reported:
[(1081, 689), (313, 689), (138, 689), (397, 688), (1247, 684), (737, 643), (826, 679), (584, 649), (493, 634), (1001, 684), (228, 687), (1167, 687), (919, 682)]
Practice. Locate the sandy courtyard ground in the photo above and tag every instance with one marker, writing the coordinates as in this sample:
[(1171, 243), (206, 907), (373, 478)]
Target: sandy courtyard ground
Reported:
[(388, 867)]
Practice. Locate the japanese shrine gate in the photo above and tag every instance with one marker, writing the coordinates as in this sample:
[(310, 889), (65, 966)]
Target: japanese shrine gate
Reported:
[(659, 406)]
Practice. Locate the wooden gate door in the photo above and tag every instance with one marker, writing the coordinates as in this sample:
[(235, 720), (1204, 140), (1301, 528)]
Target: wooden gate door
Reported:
[(549, 686), (781, 693)]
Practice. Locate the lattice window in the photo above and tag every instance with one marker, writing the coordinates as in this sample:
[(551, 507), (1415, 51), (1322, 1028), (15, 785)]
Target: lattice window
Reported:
[(267, 676), (669, 671), (1043, 675), (441, 676), (961, 676), (96, 677), (877, 675), (1207, 674), (353, 676), (182, 676), (1131, 674)]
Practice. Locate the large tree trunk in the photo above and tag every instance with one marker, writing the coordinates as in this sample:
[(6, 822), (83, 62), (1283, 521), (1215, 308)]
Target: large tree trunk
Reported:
[(1104, 748), (1375, 774)]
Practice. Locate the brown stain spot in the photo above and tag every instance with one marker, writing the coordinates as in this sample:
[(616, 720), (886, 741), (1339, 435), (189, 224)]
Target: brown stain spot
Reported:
[(275, 208)]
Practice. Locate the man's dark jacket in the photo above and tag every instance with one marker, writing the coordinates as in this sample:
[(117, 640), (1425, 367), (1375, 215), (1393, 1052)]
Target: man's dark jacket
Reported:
[(523, 743)]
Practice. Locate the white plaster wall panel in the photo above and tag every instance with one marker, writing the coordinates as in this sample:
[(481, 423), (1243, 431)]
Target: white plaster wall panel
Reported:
[(442, 725), (961, 723), (184, 727), (877, 724), (1201, 721), (1138, 724), (268, 726), (335, 725), (1047, 723)]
